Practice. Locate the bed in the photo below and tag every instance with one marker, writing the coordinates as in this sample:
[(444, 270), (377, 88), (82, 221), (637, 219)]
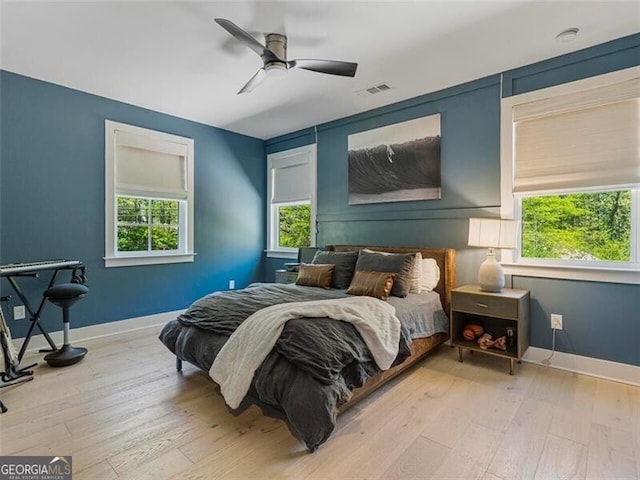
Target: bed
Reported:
[(317, 367)]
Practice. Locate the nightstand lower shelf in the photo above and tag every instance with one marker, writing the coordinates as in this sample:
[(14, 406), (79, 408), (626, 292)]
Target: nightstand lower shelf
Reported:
[(510, 355)]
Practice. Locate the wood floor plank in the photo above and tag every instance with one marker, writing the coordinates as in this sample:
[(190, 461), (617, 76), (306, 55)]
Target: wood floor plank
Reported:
[(470, 457), (21, 443), (611, 407), (611, 454), (548, 384), (562, 459), (491, 476), (162, 467), (470, 402), (99, 471), (574, 409), (519, 452), (455, 417), (419, 460)]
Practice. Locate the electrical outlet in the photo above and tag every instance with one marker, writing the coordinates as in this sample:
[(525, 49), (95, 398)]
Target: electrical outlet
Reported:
[(232, 284), (19, 312), (556, 321)]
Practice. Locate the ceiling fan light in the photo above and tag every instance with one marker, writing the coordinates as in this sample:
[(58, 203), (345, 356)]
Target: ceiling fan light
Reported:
[(276, 69)]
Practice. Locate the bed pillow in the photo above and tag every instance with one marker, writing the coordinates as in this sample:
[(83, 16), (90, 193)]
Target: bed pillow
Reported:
[(317, 275), (416, 271), (371, 284), (401, 264), (416, 274), (430, 274), (345, 263)]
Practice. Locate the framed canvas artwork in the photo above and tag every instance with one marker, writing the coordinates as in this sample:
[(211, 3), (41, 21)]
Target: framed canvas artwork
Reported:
[(396, 163)]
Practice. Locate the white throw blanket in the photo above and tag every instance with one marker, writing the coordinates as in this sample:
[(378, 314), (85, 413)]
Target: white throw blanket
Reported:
[(248, 346)]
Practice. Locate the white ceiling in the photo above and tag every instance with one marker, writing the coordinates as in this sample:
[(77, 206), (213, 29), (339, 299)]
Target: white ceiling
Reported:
[(170, 56)]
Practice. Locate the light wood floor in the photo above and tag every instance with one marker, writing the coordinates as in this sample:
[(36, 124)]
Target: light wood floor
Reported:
[(124, 412)]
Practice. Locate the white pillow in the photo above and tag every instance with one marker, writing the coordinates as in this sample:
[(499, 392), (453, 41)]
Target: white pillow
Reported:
[(430, 274), (416, 274)]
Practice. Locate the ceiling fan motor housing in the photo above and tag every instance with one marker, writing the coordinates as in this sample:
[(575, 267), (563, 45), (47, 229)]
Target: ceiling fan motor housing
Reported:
[(277, 44)]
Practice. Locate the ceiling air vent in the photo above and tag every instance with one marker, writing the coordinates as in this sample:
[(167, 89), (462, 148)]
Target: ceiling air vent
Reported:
[(381, 87)]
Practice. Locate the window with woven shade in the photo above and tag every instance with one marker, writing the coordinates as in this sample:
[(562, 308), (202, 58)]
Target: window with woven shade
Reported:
[(571, 175), (148, 196)]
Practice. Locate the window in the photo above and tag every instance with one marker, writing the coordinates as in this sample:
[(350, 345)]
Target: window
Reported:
[(149, 196), (571, 175), (148, 225), (291, 193), (581, 227)]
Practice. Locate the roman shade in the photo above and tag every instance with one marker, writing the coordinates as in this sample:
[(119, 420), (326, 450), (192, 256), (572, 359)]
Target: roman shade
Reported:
[(292, 180), (148, 167), (578, 140)]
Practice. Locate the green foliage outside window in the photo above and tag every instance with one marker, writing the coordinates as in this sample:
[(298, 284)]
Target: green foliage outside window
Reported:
[(147, 224), (295, 226), (579, 226)]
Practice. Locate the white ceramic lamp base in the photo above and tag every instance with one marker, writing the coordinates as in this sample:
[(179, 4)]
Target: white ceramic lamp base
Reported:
[(491, 275)]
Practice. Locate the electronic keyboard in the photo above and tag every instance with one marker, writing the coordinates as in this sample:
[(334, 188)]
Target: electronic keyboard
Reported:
[(17, 268)]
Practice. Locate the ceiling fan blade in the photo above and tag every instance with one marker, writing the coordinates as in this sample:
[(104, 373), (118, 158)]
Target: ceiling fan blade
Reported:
[(332, 67), (254, 81), (247, 39)]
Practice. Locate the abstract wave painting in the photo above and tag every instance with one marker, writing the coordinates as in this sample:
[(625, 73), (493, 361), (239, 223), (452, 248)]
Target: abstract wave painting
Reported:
[(396, 163)]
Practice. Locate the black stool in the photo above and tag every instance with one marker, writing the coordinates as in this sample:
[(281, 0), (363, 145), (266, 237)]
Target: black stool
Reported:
[(65, 295)]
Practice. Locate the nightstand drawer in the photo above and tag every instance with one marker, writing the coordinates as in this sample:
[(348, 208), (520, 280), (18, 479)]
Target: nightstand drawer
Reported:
[(485, 305)]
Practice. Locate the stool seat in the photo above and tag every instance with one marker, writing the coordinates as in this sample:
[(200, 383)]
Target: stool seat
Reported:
[(64, 295), (65, 290)]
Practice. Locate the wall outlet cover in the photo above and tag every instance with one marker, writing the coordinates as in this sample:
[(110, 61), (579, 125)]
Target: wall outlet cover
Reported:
[(19, 312)]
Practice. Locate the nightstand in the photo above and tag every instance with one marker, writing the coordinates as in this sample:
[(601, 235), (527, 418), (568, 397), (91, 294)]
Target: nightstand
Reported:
[(500, 314), (284, 276)]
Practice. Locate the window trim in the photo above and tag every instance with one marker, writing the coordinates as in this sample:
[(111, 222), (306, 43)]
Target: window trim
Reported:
[(112, 257), (273, 250), (511, 261)]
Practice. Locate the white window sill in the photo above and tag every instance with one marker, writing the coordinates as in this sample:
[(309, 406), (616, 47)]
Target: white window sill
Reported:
[(589, 274), (282, 254), (134, 260)]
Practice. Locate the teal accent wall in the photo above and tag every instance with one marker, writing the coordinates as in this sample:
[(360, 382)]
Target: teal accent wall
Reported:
[(52, 203), (600, 319)]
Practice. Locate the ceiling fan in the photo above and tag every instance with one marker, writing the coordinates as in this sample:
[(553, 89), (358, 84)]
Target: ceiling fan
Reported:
[(274, 57)]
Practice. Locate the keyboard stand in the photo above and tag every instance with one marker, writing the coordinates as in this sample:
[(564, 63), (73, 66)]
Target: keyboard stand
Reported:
[(34, 315), (21, 270)]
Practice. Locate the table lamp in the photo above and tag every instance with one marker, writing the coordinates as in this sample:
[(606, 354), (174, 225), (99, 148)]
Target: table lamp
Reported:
[(492, 233)]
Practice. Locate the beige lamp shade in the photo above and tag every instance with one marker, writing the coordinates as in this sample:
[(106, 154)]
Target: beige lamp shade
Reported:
[(492, 233)]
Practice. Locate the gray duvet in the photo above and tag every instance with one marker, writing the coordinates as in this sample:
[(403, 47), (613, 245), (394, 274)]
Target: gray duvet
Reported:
[(311, 370)]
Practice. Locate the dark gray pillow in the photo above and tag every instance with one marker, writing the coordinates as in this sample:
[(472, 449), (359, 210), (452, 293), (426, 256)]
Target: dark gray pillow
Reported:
[(400, 264), (345, 263)]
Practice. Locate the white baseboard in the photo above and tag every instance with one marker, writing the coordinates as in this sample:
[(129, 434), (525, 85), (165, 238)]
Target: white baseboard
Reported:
[(100, 330), (618, 372)]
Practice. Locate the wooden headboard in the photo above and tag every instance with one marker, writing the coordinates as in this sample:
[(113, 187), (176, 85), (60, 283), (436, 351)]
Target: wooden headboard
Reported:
[(444, 257)]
